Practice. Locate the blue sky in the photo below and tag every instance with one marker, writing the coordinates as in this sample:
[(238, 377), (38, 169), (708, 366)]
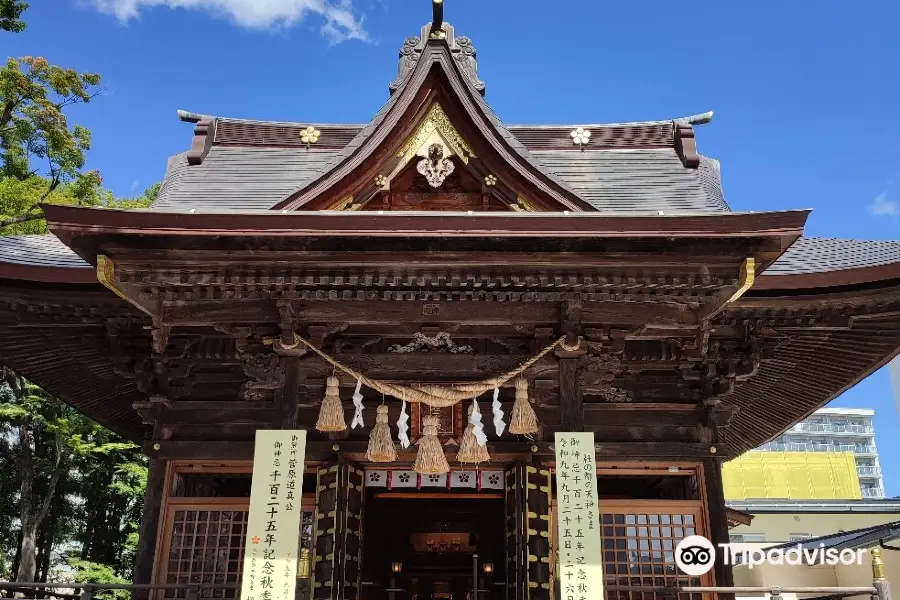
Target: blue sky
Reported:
[(807, 100)]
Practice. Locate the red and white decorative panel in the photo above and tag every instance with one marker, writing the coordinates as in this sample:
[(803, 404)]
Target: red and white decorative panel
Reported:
[(399, 479)]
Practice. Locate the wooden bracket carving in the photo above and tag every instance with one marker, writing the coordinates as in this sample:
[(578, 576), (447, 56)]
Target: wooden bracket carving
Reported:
[(265, 372), (160, 336), (686, 145), (596, 373), (287, 321), (440, 342), (746, 279), (106, 275), (204, 134)]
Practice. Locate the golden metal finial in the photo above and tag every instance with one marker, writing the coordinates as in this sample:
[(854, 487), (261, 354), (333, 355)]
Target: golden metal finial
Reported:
[(437, 20), (878, 573)]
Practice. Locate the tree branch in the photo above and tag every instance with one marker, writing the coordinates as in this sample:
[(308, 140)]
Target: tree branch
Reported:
[(77, 100), (21, 219), (26, 468), (58, 470), (54, 183)]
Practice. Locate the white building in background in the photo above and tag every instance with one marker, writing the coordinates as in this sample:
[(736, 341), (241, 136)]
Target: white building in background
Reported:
[(838, 430), (894, 372)]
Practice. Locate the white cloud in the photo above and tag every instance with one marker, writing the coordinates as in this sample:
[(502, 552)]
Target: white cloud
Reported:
[(882, 206), (341, 22)]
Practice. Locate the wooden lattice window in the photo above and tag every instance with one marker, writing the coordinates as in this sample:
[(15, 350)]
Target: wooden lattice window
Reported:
[(204, 529), (645, 510), (205, 545), (639, 539)]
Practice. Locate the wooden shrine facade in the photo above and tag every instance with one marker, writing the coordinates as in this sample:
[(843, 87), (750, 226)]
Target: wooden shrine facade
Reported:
[(437, 245)]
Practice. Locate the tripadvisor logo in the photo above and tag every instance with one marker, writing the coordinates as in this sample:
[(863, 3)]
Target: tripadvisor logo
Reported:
[(695, 555)]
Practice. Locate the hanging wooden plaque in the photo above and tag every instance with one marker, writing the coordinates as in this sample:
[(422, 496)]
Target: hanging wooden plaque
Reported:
[(580, 552), (273, 524)]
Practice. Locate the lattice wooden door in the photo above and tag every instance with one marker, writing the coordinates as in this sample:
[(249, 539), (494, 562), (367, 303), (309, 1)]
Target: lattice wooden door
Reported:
[(537, 533), (339, 517), (514, 527)]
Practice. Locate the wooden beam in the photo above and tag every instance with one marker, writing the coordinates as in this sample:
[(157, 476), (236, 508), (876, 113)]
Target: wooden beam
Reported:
[(385, 312), (288, 397), (426, 366), (243, 450), (571, 403), (718, 519)]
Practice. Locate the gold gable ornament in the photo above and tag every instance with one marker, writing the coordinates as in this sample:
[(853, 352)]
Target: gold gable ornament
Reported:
[(436, 124)]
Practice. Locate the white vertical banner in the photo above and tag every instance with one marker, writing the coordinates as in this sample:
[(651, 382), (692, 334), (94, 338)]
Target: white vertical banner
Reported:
[(579, 547), (273, 525)]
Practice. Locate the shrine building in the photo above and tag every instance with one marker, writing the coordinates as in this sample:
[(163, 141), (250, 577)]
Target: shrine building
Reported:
[(592, 274)]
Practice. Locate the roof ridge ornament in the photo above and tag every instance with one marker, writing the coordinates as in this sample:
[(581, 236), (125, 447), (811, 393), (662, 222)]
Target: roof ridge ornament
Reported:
[(461, 50), (437, 21)]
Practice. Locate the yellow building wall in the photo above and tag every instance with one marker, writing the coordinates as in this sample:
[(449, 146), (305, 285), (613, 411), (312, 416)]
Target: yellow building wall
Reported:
[(792, 476)]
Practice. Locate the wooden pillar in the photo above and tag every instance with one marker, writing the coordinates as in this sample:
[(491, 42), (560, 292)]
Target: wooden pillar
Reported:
[(339, 519), (571, 403), (147, 536), (718, 520), (287, 398)]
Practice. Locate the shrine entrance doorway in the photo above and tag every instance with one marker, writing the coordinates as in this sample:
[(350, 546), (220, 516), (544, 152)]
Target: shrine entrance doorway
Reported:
[(430, 543)]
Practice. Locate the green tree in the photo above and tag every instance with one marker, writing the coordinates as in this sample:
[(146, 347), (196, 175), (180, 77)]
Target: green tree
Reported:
[(11, 15), (52, 458), (109, 518), (91, 572), (49, 442), (35, 136)]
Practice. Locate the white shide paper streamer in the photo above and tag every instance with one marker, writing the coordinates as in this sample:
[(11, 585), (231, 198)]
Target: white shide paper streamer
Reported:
[(499, 425), (403, 427), (357, 402), (477, 426)]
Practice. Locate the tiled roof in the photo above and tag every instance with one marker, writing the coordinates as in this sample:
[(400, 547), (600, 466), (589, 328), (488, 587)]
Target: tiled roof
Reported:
[(865, 537), (818, 255), (648, 180), (644, 180), (239, 177), (39, 251)]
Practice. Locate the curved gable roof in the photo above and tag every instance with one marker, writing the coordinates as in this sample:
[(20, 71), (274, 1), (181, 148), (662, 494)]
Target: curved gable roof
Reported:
[(435, 78)]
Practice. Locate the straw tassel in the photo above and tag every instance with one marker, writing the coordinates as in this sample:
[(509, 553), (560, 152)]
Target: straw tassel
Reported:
[(381, 446), (430, 460), (470, 450), (331, 415), (523, 420)]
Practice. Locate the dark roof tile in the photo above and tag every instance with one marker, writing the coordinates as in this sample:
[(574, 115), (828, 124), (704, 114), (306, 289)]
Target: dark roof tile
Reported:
[(645, 181), (239, 177), (818, 255), (39, 251)]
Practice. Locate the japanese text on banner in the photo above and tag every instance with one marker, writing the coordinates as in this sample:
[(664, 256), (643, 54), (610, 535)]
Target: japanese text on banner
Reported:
[(273, 525), (579, 547)]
